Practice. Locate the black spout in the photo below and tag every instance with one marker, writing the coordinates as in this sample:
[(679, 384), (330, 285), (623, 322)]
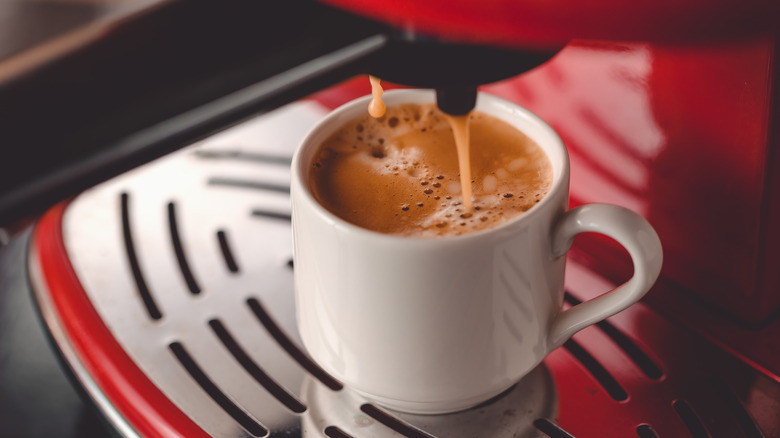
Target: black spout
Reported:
[(454, 70), (457, 101)]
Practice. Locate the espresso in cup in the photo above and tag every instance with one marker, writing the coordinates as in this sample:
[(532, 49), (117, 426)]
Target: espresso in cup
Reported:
[(398, 174)]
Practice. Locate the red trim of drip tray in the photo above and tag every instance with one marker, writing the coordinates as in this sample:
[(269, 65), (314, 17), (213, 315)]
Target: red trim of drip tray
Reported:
[(136, 398)]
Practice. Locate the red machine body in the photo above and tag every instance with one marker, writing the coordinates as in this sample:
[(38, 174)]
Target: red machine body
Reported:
[(541, 23), (687, 137)]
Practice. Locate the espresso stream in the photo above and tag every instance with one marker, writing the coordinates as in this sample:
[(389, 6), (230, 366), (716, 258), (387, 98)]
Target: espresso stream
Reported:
[(399, 174), (460, 132)]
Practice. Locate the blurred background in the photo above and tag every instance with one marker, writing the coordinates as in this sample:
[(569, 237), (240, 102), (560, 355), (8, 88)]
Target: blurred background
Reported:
[(36, 397)]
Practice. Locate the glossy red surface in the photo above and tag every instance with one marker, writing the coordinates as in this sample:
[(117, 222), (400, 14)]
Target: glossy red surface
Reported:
[(550, 23), (683, 135), (136, 398)]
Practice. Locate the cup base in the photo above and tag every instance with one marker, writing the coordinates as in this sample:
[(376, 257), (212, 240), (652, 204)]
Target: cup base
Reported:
[(431, 408)]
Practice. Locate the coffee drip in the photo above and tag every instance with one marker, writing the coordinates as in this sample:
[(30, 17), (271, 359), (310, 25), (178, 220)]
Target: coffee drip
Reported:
[(376, 107)]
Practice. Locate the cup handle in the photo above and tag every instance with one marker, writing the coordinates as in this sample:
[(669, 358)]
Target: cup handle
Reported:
[(630, 230)]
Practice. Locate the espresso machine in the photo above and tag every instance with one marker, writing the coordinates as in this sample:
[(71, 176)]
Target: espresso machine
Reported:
[(151, 151)]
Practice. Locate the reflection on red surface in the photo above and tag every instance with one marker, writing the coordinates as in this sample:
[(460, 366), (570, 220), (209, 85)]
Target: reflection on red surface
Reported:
[(680, 135), (595, 96)]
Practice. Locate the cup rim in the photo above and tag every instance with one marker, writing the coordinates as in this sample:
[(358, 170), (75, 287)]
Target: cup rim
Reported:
[(399, 96)]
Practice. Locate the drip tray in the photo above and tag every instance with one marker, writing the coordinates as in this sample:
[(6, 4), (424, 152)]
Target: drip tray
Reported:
[(187, 262)]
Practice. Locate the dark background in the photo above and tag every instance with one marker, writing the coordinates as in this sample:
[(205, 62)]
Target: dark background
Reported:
[(37, 398)]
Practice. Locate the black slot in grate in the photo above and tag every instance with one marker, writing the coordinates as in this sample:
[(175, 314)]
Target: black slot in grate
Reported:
[(227, 254), (246, 184), (290, 347), (238, 414), (186, 272), (132, 258), (605, 379), (632, 350), (254, 370), (271, 215), (551, 429), (393, 423), (244, 156), (335, 432), (744, 419), (691, 420), (646, 431)]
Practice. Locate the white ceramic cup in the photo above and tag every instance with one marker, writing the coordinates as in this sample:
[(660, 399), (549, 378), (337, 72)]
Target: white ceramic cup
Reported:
[(437, 325)]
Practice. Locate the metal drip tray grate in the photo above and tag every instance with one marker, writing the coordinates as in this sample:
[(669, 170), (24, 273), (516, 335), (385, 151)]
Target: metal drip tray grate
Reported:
[(188, 262)]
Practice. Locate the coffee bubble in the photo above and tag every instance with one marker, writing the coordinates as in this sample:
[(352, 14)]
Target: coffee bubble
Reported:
[(490, 183), (378, 152), (517, 164)]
